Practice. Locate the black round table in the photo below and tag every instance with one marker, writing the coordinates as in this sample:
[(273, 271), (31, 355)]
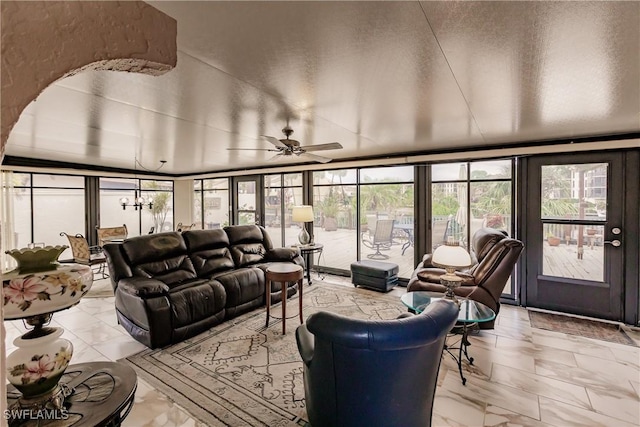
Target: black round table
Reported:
[(103, 394), (470, 313), (307, 252)]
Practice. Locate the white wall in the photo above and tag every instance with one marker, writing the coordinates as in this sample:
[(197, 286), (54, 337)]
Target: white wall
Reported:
[(183, 201)]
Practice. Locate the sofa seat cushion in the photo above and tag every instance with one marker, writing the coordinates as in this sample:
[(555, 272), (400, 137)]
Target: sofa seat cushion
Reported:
[(242, 285), (195, 300)]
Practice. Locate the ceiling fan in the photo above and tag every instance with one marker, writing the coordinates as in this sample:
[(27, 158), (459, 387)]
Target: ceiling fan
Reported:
[(290, 147)]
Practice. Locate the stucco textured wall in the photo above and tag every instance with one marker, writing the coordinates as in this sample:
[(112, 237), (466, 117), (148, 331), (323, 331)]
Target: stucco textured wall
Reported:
[(43, 41)]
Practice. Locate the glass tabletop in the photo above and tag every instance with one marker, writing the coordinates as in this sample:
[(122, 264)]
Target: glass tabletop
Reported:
[(470, 311)]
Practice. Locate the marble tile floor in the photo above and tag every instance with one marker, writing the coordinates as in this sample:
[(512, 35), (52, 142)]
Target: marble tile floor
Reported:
[(521, 376)]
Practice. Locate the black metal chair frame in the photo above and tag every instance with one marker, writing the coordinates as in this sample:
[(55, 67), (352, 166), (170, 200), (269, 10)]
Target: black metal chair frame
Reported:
[(382, 239)]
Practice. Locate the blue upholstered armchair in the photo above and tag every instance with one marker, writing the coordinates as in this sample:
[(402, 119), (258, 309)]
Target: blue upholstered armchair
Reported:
[(373, 373)]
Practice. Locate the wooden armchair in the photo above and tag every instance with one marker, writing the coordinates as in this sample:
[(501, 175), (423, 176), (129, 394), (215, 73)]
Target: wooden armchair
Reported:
[(180, 227), (87, 255), (106, 234)]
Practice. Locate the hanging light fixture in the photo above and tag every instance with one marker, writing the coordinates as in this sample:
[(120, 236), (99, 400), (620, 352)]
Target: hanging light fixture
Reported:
[(138, 201)]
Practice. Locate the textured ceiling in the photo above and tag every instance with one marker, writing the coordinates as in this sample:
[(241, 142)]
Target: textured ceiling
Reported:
[(381, 78)]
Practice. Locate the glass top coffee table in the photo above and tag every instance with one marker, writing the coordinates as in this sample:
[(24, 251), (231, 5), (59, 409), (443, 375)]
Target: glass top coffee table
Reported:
[(471, 313)]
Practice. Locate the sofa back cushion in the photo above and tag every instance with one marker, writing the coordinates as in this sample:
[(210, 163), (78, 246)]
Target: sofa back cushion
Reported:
[(248, 244), (209, 251), (161, 256)]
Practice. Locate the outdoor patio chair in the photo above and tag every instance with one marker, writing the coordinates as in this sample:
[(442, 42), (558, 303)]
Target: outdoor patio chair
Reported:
[(107, 234), (87, 255), (380, 239), (182, 228)]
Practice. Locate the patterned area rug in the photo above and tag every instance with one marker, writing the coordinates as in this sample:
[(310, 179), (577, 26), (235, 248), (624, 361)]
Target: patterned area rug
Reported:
[(240, 373), (581, 327)]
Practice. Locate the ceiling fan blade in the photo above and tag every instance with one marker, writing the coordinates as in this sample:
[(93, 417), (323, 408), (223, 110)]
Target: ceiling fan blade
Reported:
[(251, 149), (317, 158), (319, 147), (271, 159), (274, 141)]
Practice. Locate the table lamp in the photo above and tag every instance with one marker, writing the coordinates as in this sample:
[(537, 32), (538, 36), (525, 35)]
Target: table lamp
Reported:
[(302, 214), (451, 256)]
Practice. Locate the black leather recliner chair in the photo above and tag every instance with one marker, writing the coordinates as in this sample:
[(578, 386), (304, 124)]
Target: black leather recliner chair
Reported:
[(495, 254), (373, 373)]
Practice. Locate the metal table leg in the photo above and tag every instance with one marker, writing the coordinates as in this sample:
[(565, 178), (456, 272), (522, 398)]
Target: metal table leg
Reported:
[(462, 349)]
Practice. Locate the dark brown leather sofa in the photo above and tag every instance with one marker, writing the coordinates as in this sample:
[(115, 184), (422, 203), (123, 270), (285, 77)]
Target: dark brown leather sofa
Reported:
[(495, 255), (171, 286)]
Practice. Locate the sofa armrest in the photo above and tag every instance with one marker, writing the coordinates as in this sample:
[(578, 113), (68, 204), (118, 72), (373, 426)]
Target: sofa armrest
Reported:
[(430, 275), (306, 344), (142, 287), (433, 275), (282, 254), (467, 279)]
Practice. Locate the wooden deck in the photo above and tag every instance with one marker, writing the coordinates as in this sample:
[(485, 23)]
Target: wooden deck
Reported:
[(562, 261)]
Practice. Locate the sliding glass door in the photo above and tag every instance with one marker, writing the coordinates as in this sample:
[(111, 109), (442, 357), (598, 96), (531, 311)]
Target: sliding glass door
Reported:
[(467, 196)]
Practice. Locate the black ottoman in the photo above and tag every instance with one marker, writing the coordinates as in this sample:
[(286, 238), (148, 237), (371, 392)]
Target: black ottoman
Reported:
[(377, 275)]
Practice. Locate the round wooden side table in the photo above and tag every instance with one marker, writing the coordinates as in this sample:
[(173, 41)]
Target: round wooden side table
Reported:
[(284, 273)]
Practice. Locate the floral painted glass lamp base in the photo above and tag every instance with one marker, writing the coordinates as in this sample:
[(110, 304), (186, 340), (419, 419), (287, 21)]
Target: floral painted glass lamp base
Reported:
[(37, 365), (42, 355)]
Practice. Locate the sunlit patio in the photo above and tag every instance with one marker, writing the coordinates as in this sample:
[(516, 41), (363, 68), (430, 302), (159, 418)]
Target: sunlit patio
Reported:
[(340, 251)]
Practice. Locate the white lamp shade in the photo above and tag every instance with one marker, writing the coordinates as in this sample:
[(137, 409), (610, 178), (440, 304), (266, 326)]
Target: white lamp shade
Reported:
[(451, 256), (302, 213)]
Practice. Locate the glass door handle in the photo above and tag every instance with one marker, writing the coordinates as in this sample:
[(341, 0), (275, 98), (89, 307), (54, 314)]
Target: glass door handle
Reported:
[(615, 243)]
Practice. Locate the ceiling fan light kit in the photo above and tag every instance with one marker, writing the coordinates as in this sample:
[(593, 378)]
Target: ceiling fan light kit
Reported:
[(290, 147)]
